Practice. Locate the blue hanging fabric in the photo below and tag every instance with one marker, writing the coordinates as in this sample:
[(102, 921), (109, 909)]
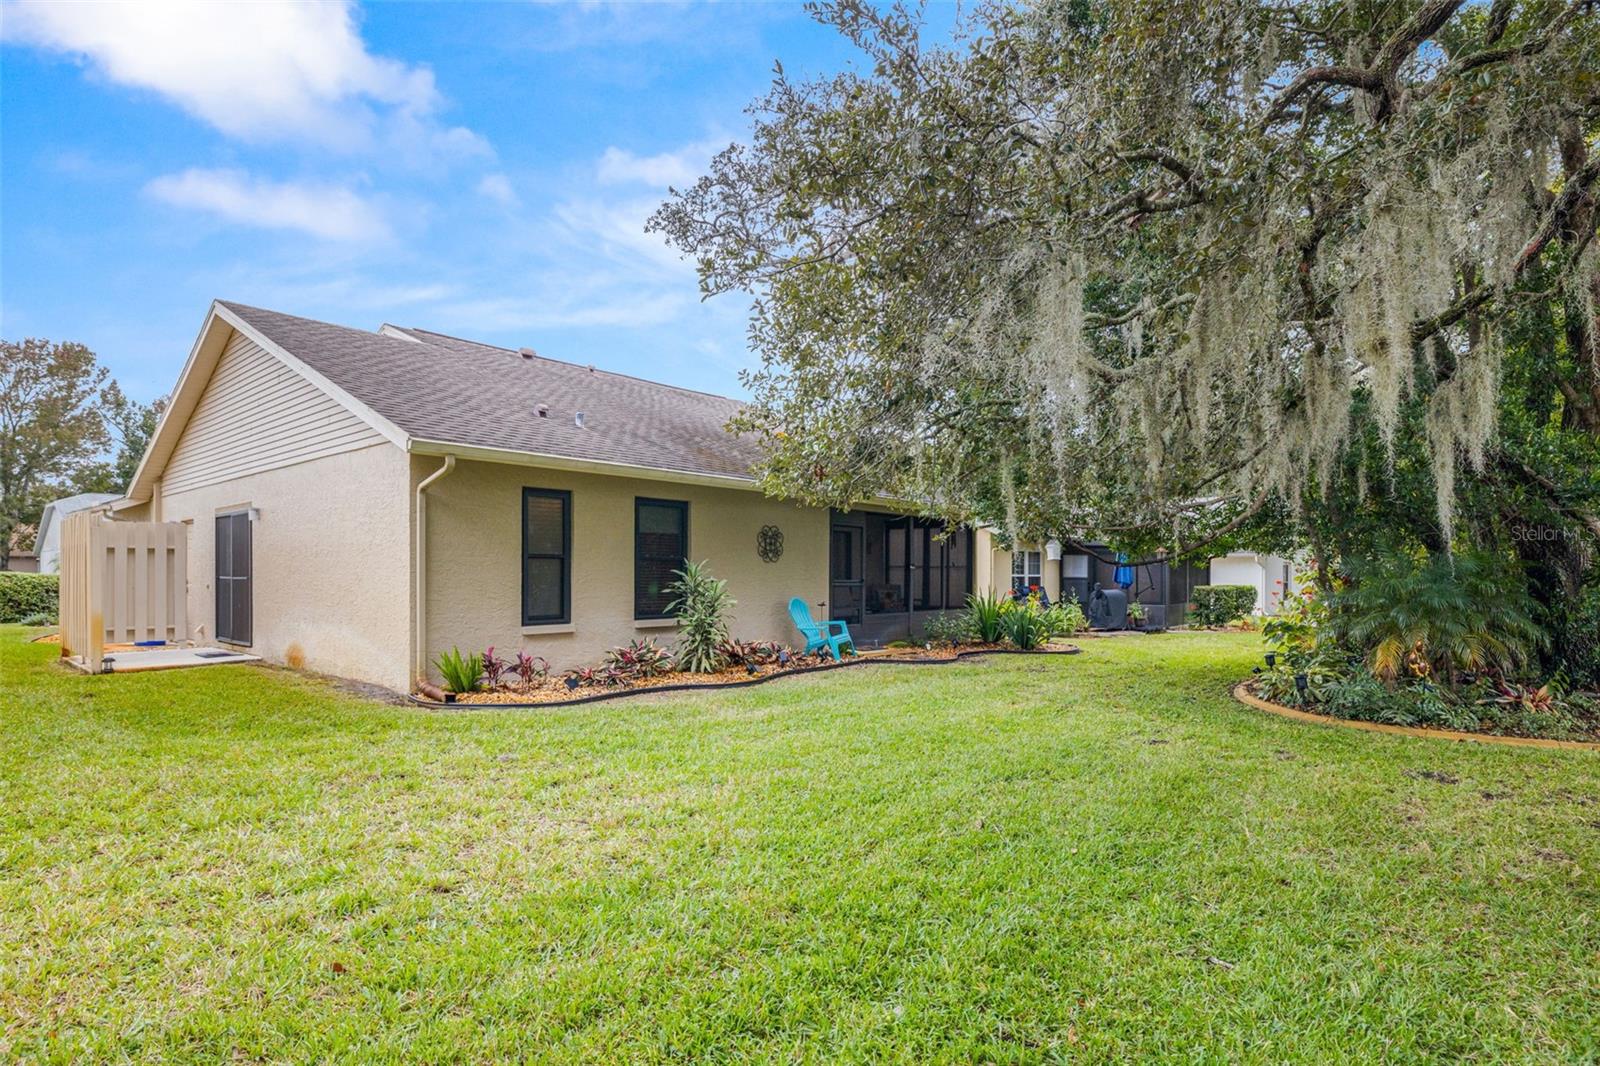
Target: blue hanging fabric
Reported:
[(1124, 574)]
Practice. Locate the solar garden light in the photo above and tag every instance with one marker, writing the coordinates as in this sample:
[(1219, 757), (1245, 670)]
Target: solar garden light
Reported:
[(1272, 659), (1300, 684)]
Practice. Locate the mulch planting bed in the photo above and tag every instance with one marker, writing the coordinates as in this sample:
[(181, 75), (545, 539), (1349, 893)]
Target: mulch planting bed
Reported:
[(1245, 693), (553, 692)]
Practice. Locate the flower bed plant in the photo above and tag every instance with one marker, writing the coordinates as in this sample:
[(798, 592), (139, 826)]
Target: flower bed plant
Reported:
[(995, 621), (744, 661), (1425, 647), (706, 654)]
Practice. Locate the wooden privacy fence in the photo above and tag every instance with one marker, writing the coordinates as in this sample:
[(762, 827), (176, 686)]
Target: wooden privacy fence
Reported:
[(121, 582)]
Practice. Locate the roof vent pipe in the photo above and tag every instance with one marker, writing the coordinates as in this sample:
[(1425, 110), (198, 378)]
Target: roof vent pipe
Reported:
[(543, 410), (577, 419), (526, 353)]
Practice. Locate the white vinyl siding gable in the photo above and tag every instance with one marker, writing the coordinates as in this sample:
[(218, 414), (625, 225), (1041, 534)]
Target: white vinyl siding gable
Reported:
[(257, 414)]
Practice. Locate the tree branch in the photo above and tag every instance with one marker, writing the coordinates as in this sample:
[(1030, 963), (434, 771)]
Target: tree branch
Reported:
[(1568, 202), (1352, 77), (1487, 56), (1378, 78), (1184, 550)]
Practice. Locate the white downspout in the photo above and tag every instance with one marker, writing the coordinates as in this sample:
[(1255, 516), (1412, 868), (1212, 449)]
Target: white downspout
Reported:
[(420, 641)]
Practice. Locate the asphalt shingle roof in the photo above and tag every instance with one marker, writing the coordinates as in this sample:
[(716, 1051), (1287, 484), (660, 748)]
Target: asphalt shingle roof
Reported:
[(461, 392)]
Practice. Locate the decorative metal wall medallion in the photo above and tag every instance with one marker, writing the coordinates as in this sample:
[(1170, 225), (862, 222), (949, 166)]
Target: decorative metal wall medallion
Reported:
[(769, 543)]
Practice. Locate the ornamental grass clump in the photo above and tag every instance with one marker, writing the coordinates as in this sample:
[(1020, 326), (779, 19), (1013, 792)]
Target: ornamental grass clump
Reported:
[(987, 614), (701, 604), (461, 673), (1026, 625)]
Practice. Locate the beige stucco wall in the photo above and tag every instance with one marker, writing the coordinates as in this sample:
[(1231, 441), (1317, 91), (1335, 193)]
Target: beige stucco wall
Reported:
[(994, 567), (474, 598), (330, 552)]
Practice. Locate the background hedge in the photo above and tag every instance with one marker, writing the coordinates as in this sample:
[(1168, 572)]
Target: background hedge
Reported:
[(1217, 605), (28, 595)]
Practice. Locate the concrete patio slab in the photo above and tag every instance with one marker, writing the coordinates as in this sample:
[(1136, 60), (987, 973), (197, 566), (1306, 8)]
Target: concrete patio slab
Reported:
[(123, 662)]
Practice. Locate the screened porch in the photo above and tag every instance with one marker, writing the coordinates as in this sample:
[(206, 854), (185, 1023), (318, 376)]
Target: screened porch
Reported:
[(889, 573)]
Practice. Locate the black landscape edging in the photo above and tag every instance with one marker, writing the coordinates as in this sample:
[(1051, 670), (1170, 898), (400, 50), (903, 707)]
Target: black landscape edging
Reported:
[(598, 697)]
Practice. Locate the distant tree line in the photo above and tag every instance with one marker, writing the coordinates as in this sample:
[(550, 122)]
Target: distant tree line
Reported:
[(65, 427)]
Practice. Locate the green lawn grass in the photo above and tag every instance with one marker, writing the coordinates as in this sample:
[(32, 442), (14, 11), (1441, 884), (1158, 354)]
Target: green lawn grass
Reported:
[(1013, 860)]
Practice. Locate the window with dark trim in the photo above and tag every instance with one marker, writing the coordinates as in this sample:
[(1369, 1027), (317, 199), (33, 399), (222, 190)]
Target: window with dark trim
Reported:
[(660, 546), (546, 557)]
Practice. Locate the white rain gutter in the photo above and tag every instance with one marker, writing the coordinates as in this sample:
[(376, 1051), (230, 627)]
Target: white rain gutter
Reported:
[(420, 641)]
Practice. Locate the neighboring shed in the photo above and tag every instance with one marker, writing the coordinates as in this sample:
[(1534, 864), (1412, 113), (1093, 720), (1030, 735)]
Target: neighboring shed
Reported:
[(47, 545)]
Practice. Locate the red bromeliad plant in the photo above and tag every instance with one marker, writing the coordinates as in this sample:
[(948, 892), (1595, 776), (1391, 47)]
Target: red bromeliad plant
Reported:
[(530, 668), (639, 660), (494, 670), (747, 653), (1536, 700)]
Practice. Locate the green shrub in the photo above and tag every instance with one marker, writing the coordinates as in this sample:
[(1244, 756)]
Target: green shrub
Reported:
[(39, 620), (949, 628), (28, 595), (701, 603), (986, 613), (1217, 605), (460, 673), (1575, 641), (1280, 683), (1065, 619)]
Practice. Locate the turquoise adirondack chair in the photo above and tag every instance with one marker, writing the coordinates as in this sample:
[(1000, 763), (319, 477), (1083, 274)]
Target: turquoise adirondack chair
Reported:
[(830, 635)]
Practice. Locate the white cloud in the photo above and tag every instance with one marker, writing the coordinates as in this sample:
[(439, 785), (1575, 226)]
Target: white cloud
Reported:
[(497, 187), (257, 71), (330, 212), (682, 167), (617, 229), (611, 306)]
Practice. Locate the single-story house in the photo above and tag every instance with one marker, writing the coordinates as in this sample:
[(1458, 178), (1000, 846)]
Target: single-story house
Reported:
[(47, 544), (360, 501)]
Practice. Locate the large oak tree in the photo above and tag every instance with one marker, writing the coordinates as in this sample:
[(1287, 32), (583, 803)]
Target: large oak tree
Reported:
[(1155, 271)]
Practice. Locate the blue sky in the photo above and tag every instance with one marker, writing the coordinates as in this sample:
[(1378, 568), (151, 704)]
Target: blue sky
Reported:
[(480, 170)]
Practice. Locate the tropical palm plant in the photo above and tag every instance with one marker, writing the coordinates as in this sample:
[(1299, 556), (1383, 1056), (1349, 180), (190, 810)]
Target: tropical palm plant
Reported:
[(701, 604), (1431, 615)]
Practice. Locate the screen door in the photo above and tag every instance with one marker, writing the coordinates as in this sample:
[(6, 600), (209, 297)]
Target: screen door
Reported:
[(233, 577)]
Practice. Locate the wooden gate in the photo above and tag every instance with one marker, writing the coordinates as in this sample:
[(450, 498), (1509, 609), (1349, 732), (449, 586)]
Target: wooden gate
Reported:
[(121, 582)]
